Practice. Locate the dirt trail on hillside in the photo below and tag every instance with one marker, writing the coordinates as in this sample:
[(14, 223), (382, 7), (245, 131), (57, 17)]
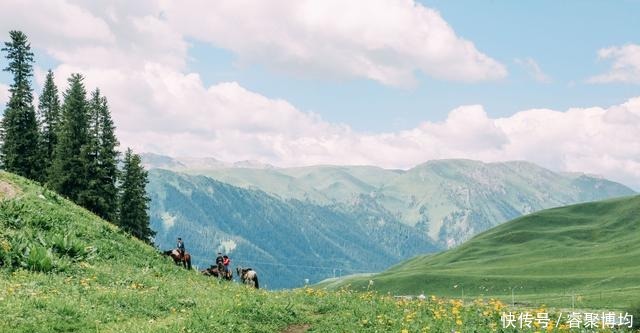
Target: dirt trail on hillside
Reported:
[(8, 190), (296, 328)]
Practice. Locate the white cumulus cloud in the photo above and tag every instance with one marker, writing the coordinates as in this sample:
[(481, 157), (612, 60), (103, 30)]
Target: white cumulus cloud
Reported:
[(136, 53), (382, 40), (625, 66), (185, 118), (55, 23)]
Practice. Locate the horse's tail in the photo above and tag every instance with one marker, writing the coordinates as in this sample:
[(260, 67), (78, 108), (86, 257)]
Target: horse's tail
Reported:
[(188, 260), (255, 280)]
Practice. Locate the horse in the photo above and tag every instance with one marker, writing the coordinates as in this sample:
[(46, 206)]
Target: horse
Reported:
[(248, 276), (178, 259), (215, 272)]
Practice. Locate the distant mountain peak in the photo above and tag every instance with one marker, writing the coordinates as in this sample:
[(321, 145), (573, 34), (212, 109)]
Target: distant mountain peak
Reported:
[(157, 161), (252, 164)]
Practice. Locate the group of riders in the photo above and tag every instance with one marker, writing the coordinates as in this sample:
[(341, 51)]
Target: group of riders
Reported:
[(221, 268), (222, 261)]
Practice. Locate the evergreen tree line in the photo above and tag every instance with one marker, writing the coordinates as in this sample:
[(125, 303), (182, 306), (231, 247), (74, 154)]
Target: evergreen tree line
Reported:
[(71, 146)]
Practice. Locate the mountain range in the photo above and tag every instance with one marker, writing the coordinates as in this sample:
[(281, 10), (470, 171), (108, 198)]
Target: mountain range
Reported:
[(316, 222)]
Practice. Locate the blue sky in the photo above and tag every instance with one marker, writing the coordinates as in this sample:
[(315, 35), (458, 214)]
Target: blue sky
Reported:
[(391, 83), (562, 37)]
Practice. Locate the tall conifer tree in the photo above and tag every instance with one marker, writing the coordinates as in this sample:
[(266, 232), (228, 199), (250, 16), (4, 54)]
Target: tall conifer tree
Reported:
[(49, 119), (89, 196), (19, 152), (68, 173), (134, 202), (108, 161), (100, 156)]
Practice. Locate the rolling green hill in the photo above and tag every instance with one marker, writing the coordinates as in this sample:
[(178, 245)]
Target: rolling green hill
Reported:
[(586, 254)]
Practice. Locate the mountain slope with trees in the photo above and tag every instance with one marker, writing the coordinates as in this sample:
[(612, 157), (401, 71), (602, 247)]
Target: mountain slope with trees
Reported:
[(63, 269), (449, 200), (288, 241), (72, 147)]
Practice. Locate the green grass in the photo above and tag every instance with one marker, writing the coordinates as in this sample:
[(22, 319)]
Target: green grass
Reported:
[(65, 270), (582, 255)]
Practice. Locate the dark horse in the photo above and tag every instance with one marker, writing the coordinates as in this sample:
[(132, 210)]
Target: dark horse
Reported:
[(248, 276), (178, 259), (216, 272)]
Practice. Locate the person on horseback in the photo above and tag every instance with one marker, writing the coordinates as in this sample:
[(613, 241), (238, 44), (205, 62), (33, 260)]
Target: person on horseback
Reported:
[(220, 262), (226, 262), (180, 247)]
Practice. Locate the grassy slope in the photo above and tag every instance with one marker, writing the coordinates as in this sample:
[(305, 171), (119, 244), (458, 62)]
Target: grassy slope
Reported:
[(119, 284), (590, 250), (101, 280)]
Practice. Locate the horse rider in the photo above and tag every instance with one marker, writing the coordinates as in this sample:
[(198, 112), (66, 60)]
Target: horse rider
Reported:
[(226, 262), (180, 247), (220, 262)]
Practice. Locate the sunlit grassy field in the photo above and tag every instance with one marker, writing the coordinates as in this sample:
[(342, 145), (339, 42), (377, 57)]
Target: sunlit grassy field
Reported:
[(583, 256), (65, 270)]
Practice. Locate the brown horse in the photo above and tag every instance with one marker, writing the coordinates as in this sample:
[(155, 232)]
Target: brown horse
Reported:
[(216, 272), (248, 276), (178, 259)]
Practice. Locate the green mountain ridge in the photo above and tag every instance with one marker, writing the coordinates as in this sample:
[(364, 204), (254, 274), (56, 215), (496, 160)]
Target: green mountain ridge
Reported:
[(449, 200), (589, 250)]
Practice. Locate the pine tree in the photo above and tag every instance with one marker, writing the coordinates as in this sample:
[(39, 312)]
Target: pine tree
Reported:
[(19, 152), (100, 156), (49, 119), (134, 202), (108, 161), (68, 174), (89, 196)]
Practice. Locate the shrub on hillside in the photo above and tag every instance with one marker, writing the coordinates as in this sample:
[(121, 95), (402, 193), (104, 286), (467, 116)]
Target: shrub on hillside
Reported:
[(40, 259), (66, 245), (11, 214), (42, 253)]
